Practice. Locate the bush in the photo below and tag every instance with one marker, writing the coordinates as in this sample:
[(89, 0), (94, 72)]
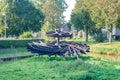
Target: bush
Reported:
[(116, 37), (26, 35), (99, 38), (16, 43)]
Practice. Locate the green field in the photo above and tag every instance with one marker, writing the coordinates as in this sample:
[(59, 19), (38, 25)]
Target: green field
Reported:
[(93, 66)]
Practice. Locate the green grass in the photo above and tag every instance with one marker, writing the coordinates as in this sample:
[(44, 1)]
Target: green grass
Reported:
[(37, 68), (103, 63), (106, 48), (11, 52), (100, 48)]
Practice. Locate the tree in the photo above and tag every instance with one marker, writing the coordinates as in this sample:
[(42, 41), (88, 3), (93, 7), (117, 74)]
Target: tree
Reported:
[(69, 24), (81, 18), (82, 21), (111, 11), (22, 16), (98, 16), (53, 10), (46, 27), (104, 13)]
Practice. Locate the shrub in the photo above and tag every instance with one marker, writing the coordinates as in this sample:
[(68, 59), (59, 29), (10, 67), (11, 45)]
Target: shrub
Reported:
[(16, 43), (26, 35), (116, 37), (79, 34), (99, 38)]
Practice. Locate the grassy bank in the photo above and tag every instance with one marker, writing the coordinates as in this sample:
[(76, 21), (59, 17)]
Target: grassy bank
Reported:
[(11, 52)]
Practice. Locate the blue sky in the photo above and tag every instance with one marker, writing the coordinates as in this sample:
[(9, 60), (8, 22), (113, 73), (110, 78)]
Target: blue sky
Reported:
[(71, 4)]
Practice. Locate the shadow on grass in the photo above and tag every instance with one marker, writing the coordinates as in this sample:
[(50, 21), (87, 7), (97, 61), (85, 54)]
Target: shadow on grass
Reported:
[(58, 58)]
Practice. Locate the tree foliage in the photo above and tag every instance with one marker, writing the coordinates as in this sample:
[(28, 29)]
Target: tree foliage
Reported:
[(103, 13), (53, 10), (81, 18), (1, 30), (21, 15), (46, 27)]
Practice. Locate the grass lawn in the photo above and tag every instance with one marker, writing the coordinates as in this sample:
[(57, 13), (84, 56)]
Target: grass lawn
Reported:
[(13, 52), (106, 48), (94, 66), (37, 68)]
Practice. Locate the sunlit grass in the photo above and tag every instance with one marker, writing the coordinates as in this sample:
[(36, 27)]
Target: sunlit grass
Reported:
[(106, 48), (104, 56)]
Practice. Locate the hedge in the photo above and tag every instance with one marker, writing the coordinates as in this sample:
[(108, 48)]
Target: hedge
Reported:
[(16, 43)]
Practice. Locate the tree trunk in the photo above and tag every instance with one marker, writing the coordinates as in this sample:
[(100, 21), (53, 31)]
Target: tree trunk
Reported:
[(58, 40), (86, 33), (110, 33)]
